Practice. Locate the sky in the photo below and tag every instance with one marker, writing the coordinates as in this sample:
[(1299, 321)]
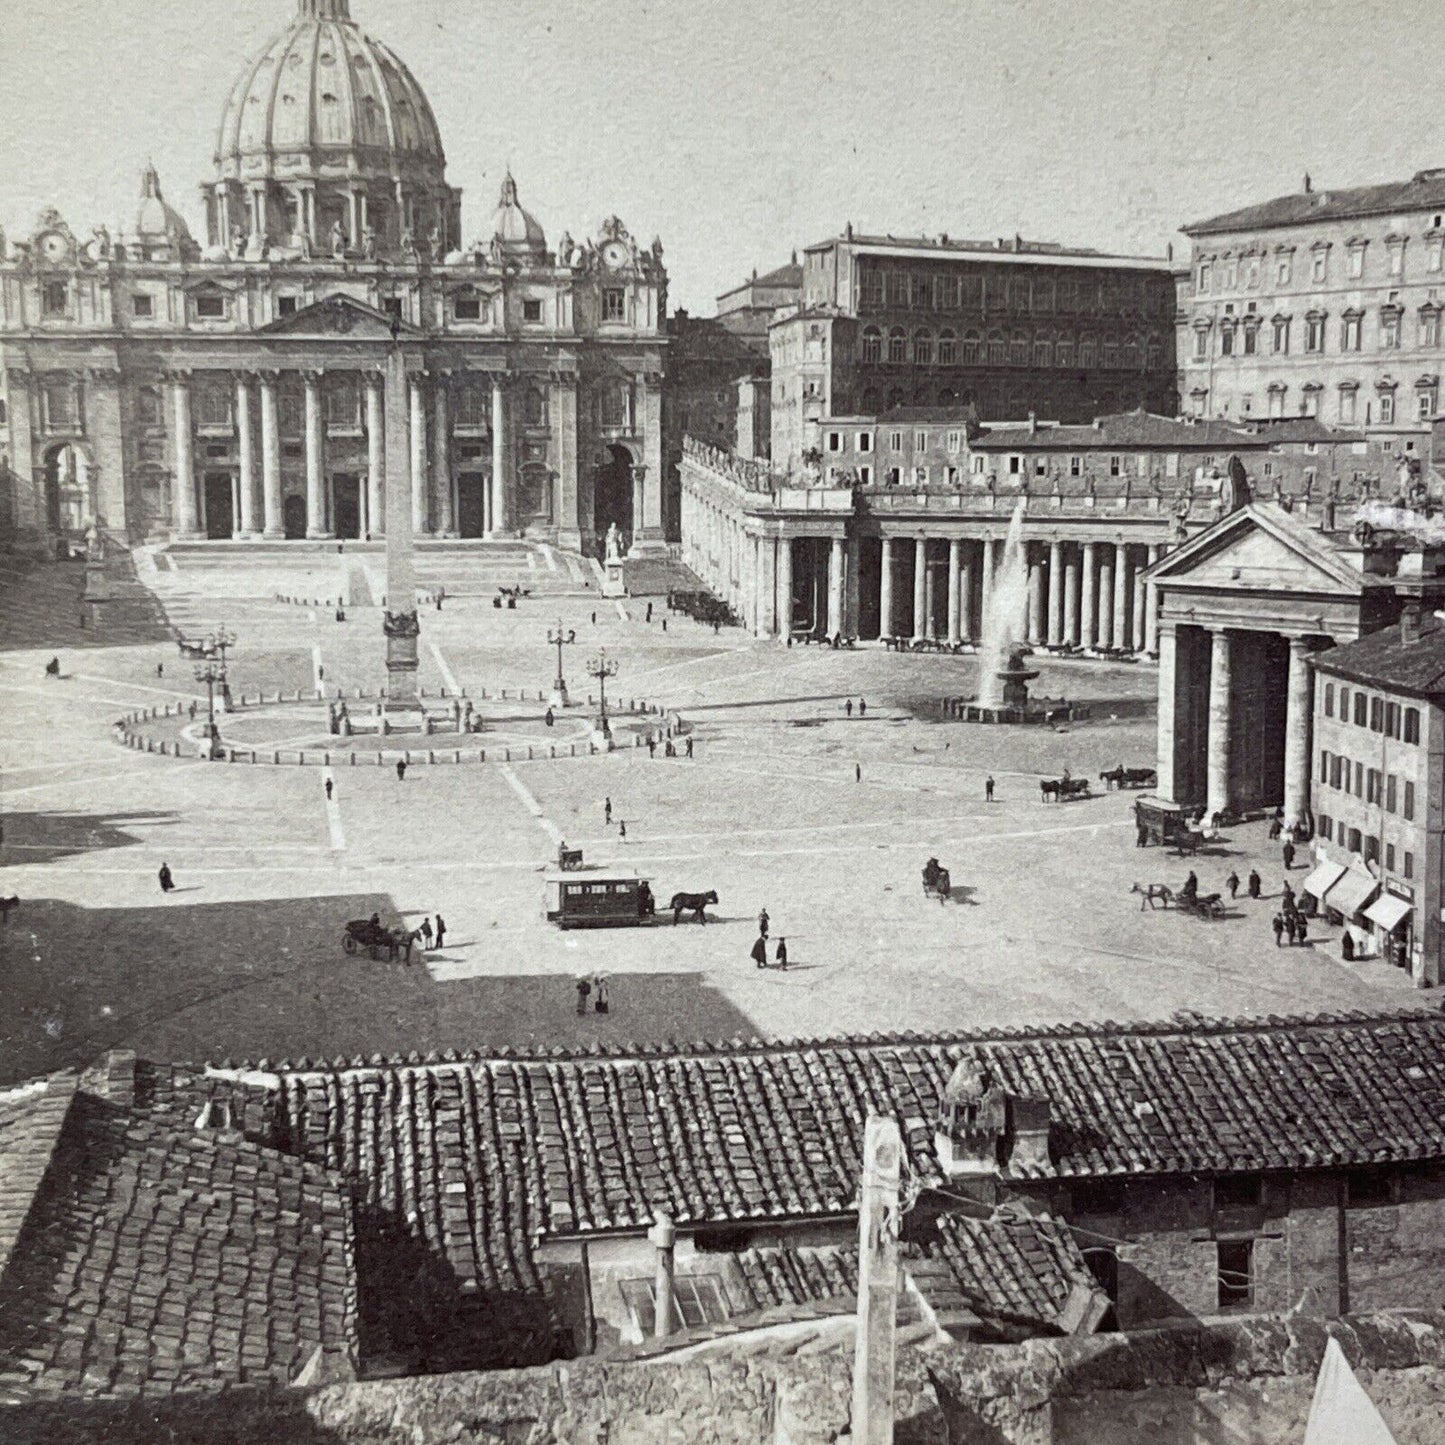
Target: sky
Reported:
[(740, 131)]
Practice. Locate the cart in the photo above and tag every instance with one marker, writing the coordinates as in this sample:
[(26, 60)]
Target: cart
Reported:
[(615, 901), (1164, 824)]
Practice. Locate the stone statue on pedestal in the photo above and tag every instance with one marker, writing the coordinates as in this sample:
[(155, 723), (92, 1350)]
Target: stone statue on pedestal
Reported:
[(614, 543)]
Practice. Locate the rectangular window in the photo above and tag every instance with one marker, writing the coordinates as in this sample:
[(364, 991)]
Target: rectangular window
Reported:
[(697, 1299), (1327, 828), (1317, 269), (285, 305), (835, 441), (1425, 403), (1409, 868), (1412, 725), (1429, 328), (1377, 714), (60, 410), (148, 406), (1236, 1273), (1387, 408), (1392, 719), (1347, 406), (895, 441), (893, 476), (1350, 333), (343, 404), (1409, 809), (1397, 260), (1357, 261), (1324, 766), (1204, 276), (865, 441), (392, 306), (1116, 466), (1359, 788), (1226, 341), (212, 405), (1361, 709), (1372, 849), (1391, 798), (142, 306), (467, 308), (1344, 704), (1390, 332), (531, 310), (1329, 699), (1201, 344), (955, 441), (614, 304), (1314, 333), (920, 476), (210, 307), (1337, 765), (1281, 336), (951, 476), (1282, 269), (54, 297), (976, 464), (920, 441), (1390, 857), (865, 476), (1372, 785)]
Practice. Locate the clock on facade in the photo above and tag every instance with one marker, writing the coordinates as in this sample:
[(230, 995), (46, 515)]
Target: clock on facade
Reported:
[(54, 246), (614, 255)]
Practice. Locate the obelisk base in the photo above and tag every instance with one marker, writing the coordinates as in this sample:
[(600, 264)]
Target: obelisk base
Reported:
[(402, 631)]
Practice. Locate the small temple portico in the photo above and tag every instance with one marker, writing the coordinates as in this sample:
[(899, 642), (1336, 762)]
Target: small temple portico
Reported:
[(1242, 607)]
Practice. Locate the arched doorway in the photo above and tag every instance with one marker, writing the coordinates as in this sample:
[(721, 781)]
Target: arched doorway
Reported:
[(612, 494), (293, 516), (65, 499)]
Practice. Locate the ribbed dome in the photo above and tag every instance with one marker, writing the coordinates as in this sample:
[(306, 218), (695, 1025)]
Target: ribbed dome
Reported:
[(517, 229), (159, 228), (323, 93)]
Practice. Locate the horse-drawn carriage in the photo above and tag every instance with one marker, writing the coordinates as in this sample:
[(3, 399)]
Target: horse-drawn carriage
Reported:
[(936, 882), (1063, 790), (1201, 905), (619, 901), (194, 649), (1122, 777), (569, 860), (1163, 824), (372, 937)]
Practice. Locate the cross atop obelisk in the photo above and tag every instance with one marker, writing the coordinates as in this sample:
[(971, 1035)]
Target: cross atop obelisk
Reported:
[(399, 621)]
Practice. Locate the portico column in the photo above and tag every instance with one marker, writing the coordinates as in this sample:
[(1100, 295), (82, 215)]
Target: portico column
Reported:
[(442, 457), (315, 458), (965, 599), (1151, 606), (1140, 601), (1071, 600), (885, 589), (785, 587), (1056, 593), (1106, 598), (1034, 624), (955, 550), (187, 518), (420, 518), (1164, 759), (1121, 616), (1299, 704), (375, 456), (275, 518), (835, 587), (1217, 788), (1090, 597), (920, 586), (985, 598), (246, 457), (498, 520)]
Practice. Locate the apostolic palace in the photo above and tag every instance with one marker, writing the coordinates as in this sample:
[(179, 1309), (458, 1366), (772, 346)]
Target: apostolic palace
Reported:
[(230, 385)]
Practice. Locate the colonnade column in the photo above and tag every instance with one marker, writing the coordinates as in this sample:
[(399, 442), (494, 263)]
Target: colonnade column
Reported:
[(885, 588), (955, 552), (271, 497), (1298, 707), (1151, 606), (1217, 785), (1164, 760), (965, 599), (1086, 585), (920, 586), (1121, 615), (835, 587), (1071, 600), (1141, 598), (187, 516), (1034, 628), (985, 599), (420, 520), (785, 587), (497, 518), (1056, 594), (442, 456), (1104, 607), (246, 457), (375, 455), (315, 458)]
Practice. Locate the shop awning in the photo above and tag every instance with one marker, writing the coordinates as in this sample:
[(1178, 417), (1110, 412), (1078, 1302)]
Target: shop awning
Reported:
[(1350, 894), (1387, 912), (1324, 877)]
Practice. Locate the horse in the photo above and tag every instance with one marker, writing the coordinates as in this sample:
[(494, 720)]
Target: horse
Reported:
[(1049, 788), (7, 905), (693, 903), (1150, 892), (1073, 788), (1122, 777)]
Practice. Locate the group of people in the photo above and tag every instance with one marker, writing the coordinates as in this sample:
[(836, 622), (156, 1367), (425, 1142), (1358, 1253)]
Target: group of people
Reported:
[(862, 707), (759, 954), (607, 820), (594, 987), (669, 747)]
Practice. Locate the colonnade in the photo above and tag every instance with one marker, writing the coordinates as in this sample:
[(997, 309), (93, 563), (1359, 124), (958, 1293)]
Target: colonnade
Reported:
[(260, 509)]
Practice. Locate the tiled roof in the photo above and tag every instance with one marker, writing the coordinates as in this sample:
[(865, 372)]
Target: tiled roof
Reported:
[(1425, 190), (789, 274), (1385, 660), (1123, 429), (1303, 429), (158, 1259), (804, 1275)]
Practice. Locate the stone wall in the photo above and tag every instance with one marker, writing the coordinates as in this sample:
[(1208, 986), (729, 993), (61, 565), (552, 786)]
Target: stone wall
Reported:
[(1242, 1382)]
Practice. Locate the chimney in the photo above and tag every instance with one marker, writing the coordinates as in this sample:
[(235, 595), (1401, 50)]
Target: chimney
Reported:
[(120, 1076), (1033, 424), (972, 1125), (1028, 1135), (1410, 589), (663, 1236), (1308, 186), (215, 1117)]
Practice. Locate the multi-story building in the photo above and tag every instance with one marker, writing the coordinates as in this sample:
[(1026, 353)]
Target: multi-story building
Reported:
[(1006, 327), (748, 310), (232, 386), (1325, 303)]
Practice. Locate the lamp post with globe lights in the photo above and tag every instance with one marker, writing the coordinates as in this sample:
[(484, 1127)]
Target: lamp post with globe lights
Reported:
[(602, 667), (558, 638)]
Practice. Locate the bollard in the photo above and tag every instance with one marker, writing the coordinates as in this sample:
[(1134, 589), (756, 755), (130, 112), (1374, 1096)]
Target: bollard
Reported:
[(552, 750), (326, 759), (457, 756), (481, 755), (378, 760), (529, 752), (275, 758), (431, 757), (506, 755), (351, 760)]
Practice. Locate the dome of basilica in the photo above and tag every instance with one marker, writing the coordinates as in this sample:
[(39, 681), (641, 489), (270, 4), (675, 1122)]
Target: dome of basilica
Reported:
[(514, 228)]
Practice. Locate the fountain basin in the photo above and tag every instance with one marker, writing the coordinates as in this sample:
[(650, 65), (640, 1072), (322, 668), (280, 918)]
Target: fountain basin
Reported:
[(1035, 710)]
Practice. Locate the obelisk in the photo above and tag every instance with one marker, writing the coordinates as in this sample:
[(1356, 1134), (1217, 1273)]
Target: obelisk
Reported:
[(399, 620)]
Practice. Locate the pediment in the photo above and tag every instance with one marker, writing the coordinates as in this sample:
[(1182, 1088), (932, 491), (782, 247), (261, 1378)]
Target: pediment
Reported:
[(1254, 550), (341, 316)]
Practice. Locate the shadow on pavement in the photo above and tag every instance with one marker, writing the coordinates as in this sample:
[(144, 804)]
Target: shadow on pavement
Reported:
[(43, 837)]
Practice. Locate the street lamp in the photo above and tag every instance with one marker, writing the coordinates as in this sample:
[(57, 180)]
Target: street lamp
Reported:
[(216, 645), (559, 639), (602, 667), (210, 676)]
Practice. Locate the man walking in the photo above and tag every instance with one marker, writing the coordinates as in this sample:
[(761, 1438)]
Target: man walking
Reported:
[(607, 812), (857, 772), (584, 990), (1253, 883), (783, 953), (426, 932), (988, 789), (848, 707), (1232, 883), (763, 923), (1287, 853), (759, 953), (167, 882), (1277, 923), (400, 769), (862, 707), (1301, 929), (330, 787), (689, 744)]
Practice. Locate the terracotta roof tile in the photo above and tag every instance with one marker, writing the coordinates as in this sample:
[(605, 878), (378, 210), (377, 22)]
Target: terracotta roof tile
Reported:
[(1424, 190)]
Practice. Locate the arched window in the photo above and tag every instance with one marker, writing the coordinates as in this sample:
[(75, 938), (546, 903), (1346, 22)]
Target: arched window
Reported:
[(1064, 350), (947, 349), (1043, 351), (970, 350), (1086, 352), (997, 349), (872, 344), (872, 398), (1131, 353), (947, 396), (1111, 355), (923, 347), (897, 346), (1019, 349)]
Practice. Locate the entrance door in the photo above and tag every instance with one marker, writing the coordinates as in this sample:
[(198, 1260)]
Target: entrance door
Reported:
[(346, 504), (293, 516), (220, 520), (471, 504), (612, 495)]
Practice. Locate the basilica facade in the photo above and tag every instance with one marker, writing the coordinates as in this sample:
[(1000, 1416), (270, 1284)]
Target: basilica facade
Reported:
[(172, 387)]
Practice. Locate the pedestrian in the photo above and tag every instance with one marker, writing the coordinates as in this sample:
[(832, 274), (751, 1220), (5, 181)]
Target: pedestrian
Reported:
[(1141, 836), (584, 990), (1288, 893), (1253, 883), (848, 707), (441, 929), (689, 745), (1301, 929), (551, 718), (1191, 886), (400, 769), (1287, 853), (622, 829), (599, 987), (782, 953), (649, 612), (763, 922), (716, 627), (671, 749), (862, 707), (594, 619), (760, 953), (160, 669), (1232, 883), (607, 812), (651, 746), (426, 931), (320, 673), (857, 772), (664, 624), (988, 789), (167, 882), (193, 712), (1277, 923), (330, 786), (1275, 829)]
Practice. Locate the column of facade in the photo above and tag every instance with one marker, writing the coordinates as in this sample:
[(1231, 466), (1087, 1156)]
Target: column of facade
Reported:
[(564, 435), (442, 456), (835, 587), (965, 598), (1072, 632), (1164, 761), (375, 455), (246, 458), (187, 516), (1056, 594), (1034, 625), (497, 521), (420, 514), (315, 457), (1299, 703), (885, 589), (1141, 598), (272, 499), (1121, 596), (1151, 606), (785, 586), (955, 552), (1088, 581), (920, 586), (1220, 721), (985, 594)]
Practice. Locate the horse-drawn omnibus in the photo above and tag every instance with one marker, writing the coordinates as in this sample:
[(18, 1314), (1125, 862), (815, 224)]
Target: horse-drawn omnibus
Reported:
[(620, 901), (1163, 823)]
